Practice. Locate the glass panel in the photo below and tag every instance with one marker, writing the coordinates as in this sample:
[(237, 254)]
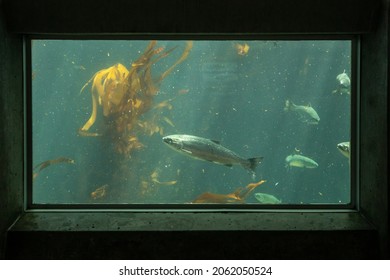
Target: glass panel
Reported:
[(127, 121)]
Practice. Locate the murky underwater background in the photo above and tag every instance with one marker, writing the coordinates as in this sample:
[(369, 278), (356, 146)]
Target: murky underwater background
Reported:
[(221, 91)]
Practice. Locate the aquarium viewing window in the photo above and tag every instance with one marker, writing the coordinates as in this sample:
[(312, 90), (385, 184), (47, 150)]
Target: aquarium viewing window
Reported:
[(226, 124)]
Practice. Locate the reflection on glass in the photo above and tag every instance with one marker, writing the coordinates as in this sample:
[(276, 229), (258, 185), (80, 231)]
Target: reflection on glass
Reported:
[(260, 122)]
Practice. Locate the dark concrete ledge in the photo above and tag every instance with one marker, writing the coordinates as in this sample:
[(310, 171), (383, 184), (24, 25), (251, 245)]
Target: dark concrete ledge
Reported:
[(179, 16), (192, 236), (187, 221), (236, 245)]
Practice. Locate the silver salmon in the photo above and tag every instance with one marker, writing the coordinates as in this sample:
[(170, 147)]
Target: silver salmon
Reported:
[(344, 148), (209, 150), (306, 113), (300, 161), (344, 84), (264, 198)]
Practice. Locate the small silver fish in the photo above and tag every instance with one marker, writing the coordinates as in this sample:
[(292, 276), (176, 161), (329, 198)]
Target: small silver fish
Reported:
[(344, 148), (209, 150), (306, 113), (344, 79), (300, 161), (264, 198), (344, 85)]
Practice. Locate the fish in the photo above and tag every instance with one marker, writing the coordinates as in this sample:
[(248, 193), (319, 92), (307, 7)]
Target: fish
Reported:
[(344, 79), (265, 198), (300, 161), (306, 113), (344, 148), (344, 84), (209, 150)]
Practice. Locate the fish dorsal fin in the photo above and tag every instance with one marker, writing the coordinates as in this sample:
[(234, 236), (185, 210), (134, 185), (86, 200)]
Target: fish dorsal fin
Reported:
[(216, 142)]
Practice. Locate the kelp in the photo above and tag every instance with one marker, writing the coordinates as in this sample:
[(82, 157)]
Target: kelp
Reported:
[(238, 196), (125, 95), (39, 167)]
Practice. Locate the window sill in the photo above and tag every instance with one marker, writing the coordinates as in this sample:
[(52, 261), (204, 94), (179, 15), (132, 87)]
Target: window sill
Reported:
[(185, 221)]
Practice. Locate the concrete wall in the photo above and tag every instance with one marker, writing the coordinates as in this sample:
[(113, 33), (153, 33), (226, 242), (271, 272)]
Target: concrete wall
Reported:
[(374, 126), (367, 238), (11, 129), (192, 236)]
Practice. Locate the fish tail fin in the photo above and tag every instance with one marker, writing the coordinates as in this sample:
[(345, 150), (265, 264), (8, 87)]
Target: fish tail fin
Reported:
[(252, 163)]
